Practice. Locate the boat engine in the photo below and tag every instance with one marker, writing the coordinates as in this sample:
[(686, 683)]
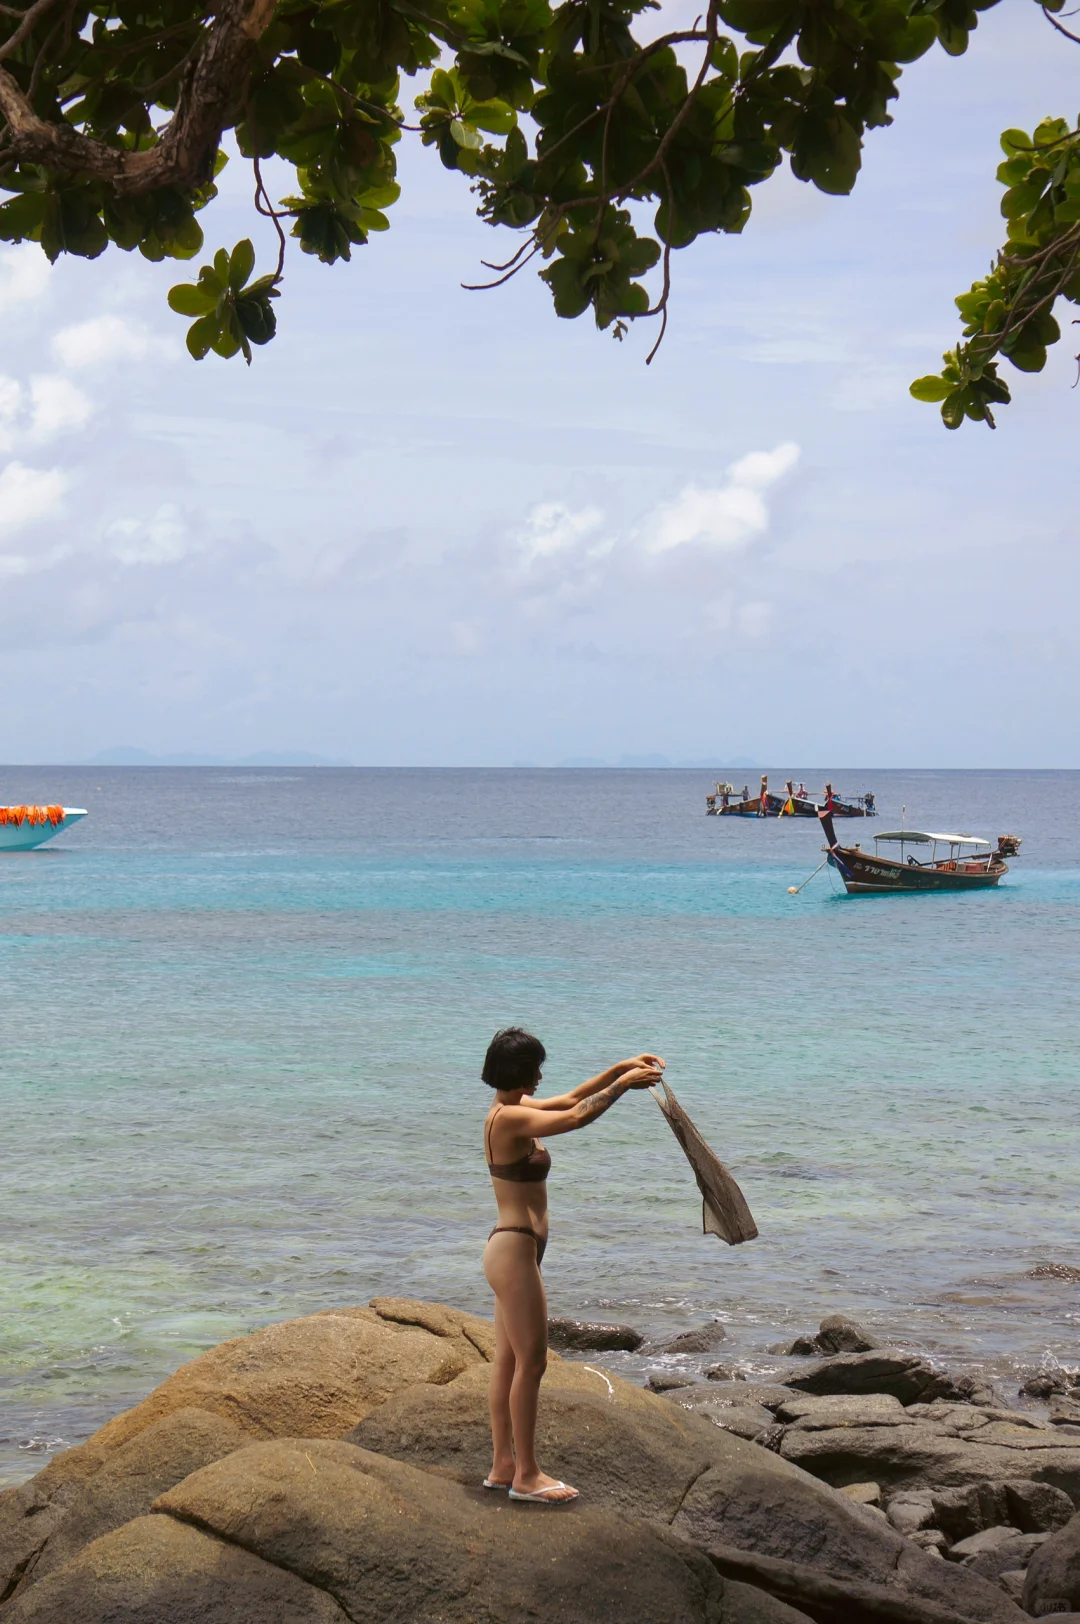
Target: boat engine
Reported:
[(1008, 845)]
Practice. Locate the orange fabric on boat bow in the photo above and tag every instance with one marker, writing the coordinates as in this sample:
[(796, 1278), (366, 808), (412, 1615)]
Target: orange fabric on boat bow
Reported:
[(32, 815)]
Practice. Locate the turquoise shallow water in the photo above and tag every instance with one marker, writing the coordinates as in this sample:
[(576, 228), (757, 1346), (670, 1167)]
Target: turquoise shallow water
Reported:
[(244, 1013)]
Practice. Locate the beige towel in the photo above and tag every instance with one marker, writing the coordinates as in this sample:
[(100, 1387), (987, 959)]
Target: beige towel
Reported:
[(723, 1207)]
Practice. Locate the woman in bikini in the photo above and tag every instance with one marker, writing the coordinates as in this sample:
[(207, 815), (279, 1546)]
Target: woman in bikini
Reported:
[(519, 1165)]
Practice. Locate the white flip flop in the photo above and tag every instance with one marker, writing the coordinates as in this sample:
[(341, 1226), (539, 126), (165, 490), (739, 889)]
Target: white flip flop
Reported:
[(490, 1483), (540, 1496)]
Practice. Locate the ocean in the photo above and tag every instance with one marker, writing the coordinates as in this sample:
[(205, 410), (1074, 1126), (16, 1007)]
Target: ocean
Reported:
[(244, 1013)]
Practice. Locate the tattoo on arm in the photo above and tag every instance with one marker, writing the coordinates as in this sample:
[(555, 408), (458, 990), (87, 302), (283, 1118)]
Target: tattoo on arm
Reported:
[(597, 1104)]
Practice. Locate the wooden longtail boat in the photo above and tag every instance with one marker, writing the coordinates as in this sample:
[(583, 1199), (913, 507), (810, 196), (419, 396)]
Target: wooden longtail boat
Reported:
[(790, 804), (966, 868)]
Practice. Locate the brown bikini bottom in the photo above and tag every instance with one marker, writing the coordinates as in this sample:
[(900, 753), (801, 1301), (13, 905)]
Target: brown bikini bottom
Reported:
[(519, 1229)]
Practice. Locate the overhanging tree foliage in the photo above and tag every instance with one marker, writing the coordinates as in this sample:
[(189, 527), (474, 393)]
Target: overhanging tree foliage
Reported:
[(112, 116)]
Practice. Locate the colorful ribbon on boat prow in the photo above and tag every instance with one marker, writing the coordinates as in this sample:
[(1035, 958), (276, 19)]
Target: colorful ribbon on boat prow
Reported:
[(32, 815)]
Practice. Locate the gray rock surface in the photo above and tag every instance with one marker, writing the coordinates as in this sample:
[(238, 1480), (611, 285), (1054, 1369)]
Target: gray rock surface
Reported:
[(1009, 1556), (966, 1512), (1064, 1412), (157, 1571), (585, 1336), (904, 1375), (863, 1494), (663, 1381), (745, 1420), (703, 1339), (1037, 1508), (837, 1334), (911, 1511), (747, 1503), (811, 1412), (987, 1539), (770, 1394), (1053, 1578), (720, 1373)]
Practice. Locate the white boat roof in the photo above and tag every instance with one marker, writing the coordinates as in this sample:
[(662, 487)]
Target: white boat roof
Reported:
[(921, 838)]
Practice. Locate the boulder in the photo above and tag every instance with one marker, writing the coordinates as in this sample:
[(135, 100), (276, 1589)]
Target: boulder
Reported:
[(904, 1375), (702, 1340), (1008, 1555), (837, 1334), (749, 1503), (720, 1373), (1064, 1412), (930, 1539), (911, 1511), (662, 1381), (863, 1494), (314, 1377), (1037, 1508), (388, 1541), (966, 1512), (1053, 1578), (745, 1420), (125, 1487), (987, 1539), (157, 1571), (1045, 1383), (813, 1413), (625, 1449), (584, 1336), (915, 1457), (770, 1394)]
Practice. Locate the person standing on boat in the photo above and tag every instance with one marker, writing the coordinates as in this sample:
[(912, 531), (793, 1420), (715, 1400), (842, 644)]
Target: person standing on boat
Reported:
[(519, 1166)]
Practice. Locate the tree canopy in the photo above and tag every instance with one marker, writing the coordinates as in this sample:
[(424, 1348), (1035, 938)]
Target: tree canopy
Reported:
[(571, 122)]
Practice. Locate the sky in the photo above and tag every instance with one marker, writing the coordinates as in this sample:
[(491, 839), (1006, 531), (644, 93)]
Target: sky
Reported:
[(435, 527)]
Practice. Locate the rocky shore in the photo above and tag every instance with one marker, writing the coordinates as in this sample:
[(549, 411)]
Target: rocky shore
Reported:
[(327, 1470)]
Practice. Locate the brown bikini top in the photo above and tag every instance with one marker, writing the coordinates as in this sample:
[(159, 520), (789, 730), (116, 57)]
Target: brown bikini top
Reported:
[(532, 1168)]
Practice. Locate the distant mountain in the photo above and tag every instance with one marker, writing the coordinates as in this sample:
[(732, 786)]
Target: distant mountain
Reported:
[(127, 755)]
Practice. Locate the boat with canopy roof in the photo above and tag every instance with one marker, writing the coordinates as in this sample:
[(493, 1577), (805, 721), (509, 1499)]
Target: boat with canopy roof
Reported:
[(968, 864)]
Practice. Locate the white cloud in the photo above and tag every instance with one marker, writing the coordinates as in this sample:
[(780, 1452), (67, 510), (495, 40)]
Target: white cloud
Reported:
[(551, 527), (10, 402), (105, 338), (163, 540), (24, 273), (725, 517), (57, 406), (29, 493)]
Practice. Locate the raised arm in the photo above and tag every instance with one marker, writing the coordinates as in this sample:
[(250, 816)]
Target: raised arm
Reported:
[(596, 1085), (535, 1121)]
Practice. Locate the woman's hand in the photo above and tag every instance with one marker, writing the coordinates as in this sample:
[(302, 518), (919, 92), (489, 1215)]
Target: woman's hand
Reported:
[(641, 1076), (653, 1061)]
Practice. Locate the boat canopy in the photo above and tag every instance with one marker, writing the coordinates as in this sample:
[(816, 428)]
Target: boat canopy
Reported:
[(920, 838)]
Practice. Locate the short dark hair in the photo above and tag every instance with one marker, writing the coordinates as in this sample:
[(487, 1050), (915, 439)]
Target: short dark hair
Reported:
[(513, 1059)]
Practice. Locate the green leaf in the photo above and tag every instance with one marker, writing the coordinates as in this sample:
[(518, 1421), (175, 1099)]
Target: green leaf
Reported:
[(241, 264), (201, 335), (187, 299), (931, 388)]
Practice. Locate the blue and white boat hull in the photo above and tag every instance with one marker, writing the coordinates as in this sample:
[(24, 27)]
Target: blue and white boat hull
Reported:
[(28, 832)]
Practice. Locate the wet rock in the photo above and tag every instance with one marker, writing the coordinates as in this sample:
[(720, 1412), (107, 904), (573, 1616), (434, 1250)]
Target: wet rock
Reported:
[(1054, 1271), (965, 1512), (814, 1413), (863, 1494), (1053, 1578), (803, 1347), (1037, 1508), (1046, 1383), (703, 1340), (661, 1381), (1064, 1412), (719, 1373), (904, 1375), (837, 1334), (910, 1513), (584, 1336)]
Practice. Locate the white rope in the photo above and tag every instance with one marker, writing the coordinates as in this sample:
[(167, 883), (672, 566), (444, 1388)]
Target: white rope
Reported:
[(603, 1378)]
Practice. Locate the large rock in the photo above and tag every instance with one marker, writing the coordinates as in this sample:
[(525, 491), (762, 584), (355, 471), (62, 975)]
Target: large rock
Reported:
[(1037, 1508), (749, 1503), (38, 1535), (313, 1377), (838, 1334), (389, 1542), (964, 1512), (814, 1414), (157, 1571), (915, 1457), (904, 1375), (623, 1447), (585, 1336), (702, 1340), (1053, 1579), (721, 1391)]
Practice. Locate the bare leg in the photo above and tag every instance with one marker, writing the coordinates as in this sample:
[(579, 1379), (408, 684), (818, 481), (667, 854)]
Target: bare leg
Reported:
[(502, 1376), (510, 1267)]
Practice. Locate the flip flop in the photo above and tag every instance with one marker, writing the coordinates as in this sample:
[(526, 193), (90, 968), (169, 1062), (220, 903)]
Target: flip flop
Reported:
[(540, 1496), (490, 1483)]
